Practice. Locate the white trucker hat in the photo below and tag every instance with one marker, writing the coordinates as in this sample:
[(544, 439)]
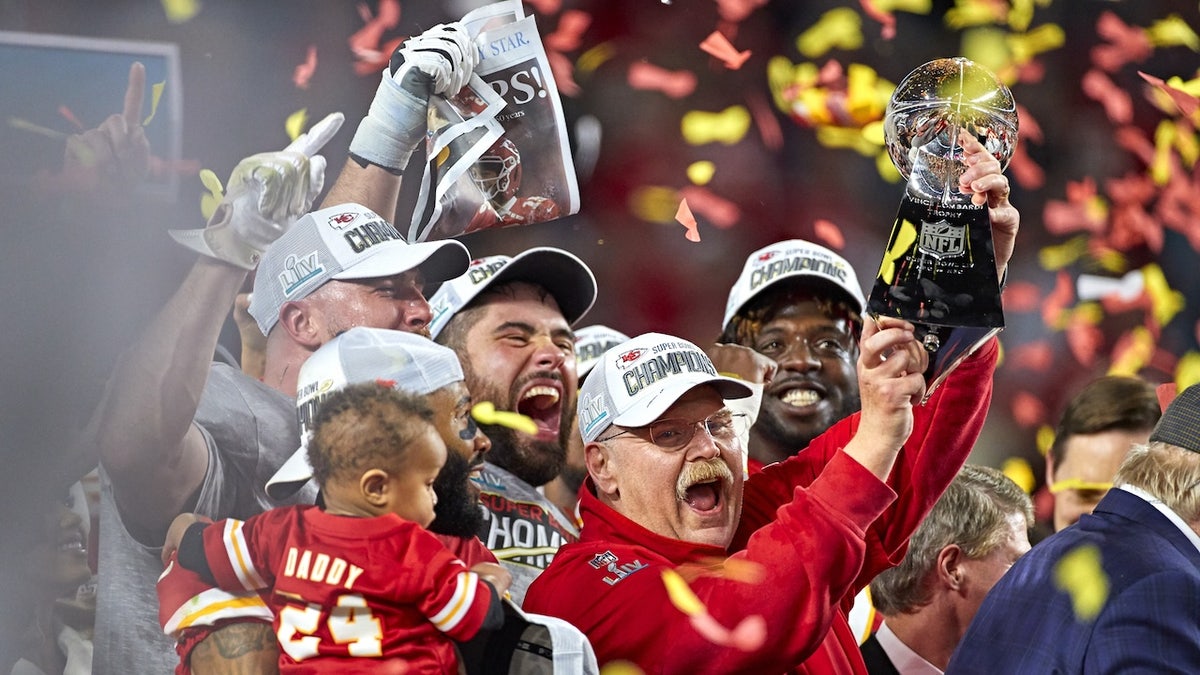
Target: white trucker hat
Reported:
[(346, 241), (405, 361), (563, 275), (792, 259), (590, 343), (637, 380)]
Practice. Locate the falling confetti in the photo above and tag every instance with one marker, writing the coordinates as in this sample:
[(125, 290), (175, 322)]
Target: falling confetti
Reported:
[(839, 28), (830, 234), (1027, 410), (179, 11), (748, 635), (700, 173), (684, 217), (211, 199), (156, 92), (1080, 575), (26, 125), (718, 46), (485, 412), (295, 123), (649, 77), (727, 127), (569, 35), (722, 213), (303, 73), (1018, 470)]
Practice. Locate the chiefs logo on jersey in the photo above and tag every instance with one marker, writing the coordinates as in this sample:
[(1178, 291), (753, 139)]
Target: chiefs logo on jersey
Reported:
[(341, 220)]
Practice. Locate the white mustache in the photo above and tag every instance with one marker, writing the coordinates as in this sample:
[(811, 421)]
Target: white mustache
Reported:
[(702, 472)]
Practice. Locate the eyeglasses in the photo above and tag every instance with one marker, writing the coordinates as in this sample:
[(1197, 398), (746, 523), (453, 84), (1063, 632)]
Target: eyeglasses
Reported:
[(674, 434), (823, 342)]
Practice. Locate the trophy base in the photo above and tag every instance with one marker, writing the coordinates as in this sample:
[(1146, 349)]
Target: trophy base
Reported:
[(948, 346)]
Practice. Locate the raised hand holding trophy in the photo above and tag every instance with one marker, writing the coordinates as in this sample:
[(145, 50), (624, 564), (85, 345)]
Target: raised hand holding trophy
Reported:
[(939, 270)]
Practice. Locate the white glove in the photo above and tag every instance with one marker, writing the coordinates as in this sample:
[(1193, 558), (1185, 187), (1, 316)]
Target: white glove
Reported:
[(265, 194), (438, 61)]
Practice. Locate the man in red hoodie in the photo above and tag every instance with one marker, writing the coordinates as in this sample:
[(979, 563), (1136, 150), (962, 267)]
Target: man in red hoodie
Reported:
[(792, 544)]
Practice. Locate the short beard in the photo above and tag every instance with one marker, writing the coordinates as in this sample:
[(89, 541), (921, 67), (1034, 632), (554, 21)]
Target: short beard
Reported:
[(785, 435), (535, 462), (457, 512)]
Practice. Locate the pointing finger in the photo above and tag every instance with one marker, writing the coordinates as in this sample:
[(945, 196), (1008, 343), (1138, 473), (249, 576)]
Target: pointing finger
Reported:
[(311, 142), (134, 94)]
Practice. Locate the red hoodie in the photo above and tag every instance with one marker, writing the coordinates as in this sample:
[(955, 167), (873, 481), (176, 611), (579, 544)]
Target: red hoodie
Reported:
[(819, 525)]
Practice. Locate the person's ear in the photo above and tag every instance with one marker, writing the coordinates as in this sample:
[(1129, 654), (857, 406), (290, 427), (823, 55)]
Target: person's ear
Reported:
[(301, 323), (949, 566), (1049, 468), (599, 460), (374, 487)]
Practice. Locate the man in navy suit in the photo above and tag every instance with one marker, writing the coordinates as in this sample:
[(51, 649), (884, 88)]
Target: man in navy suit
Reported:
[(1119, 591)]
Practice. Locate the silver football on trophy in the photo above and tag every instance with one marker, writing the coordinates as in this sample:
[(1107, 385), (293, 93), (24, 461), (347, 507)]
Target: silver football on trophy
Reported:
[(929, 108)]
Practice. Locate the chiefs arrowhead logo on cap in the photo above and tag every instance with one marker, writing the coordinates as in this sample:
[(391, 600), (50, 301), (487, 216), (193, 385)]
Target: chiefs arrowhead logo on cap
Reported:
[(341, 219)]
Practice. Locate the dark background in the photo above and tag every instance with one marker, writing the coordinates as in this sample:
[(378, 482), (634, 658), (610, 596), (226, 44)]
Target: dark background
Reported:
[(80, 275)]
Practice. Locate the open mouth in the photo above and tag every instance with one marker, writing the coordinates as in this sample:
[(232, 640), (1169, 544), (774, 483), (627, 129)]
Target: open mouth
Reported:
[(543, 404), (72, 542), (703, 497), (799, 394), (701, 487)]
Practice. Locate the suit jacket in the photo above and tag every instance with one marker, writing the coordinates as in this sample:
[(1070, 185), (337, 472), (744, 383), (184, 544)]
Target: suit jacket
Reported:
[(876, 659), (1149, 623)]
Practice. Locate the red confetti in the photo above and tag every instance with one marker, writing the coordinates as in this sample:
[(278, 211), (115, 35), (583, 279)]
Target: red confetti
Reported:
[(1178, 207), (1074, 215), (70, 116), (830, 233), (569, 34), (1026, 172), (1084, 341), (365, 43), (888, 30), (721, 212), (673, 83), (1117, 103), (683, 215), (564, 73), (1056, 303), (1036, 356), (765, 120), (736, 11), (1125, 43), (1167, 390), (546, 7), (1027, 410), (719, 47), (304, 72), (1186, 102), (1022, 296)]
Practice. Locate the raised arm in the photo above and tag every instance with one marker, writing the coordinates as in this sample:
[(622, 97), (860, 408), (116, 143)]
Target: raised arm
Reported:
[(438, 61), (153, 454)]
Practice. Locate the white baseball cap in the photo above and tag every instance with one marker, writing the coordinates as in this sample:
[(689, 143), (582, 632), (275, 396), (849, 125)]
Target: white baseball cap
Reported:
[(563, 275), (637, 381), (408, 362), (590, 343), (347, 241), (792, 259)]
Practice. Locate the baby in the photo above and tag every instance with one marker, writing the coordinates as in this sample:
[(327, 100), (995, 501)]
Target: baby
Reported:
[(357, 584)]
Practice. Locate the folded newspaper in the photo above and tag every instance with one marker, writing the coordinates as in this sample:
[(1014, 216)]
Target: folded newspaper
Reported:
[(497, 151)]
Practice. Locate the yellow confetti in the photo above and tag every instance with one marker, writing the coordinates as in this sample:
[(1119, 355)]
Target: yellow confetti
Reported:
[(887, 170), (846, 137), (1135, 357), (1173, 31), (1081, 576), (1044, 439), (905, 238), (620, 668), (1019, 471), (26, 125), (654, 204), (681, 594), (966, 13), (593, 58), (1090, 313), (839, 28), (210, 200), (700, 173), (990, 48), (727, 126), (866, 100), (1112, 260), (179, 11), (295, 123), (485, 412), (156, 92), (1164, 139), (1053, 258), (1187, 371), (1025, 47), (1165, 303)]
